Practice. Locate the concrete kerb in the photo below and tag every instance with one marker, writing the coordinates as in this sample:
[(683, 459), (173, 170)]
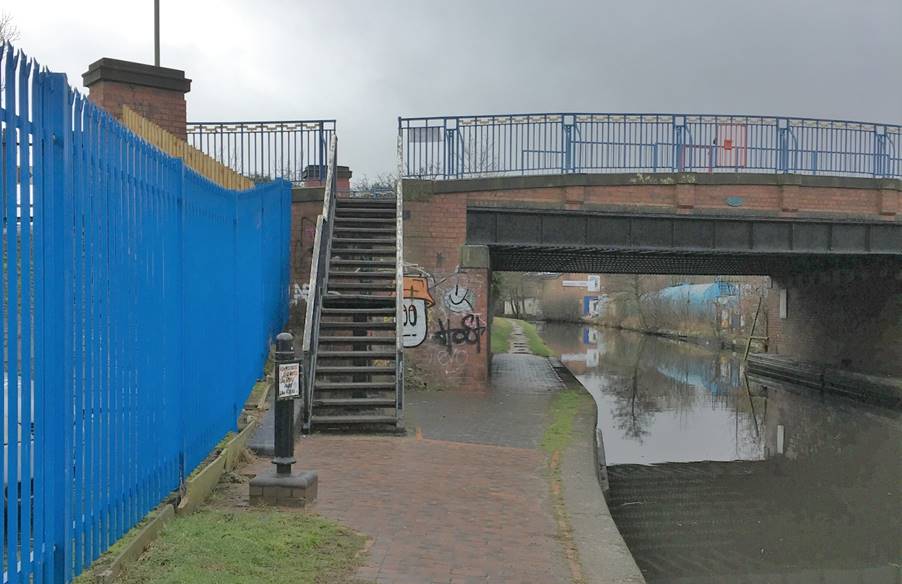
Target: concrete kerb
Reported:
[(204, 481), (605, 557), (136, 547)]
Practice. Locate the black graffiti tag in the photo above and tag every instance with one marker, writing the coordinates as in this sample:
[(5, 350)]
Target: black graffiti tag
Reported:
[(470, 332)]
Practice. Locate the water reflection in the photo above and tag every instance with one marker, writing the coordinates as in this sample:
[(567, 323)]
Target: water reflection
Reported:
[(749, 482), (668, 401)]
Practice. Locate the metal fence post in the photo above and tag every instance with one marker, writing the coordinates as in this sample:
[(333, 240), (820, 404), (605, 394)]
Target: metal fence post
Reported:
[(57, 324), (181, 299), (678, 162), (782, 145), (567, 145)]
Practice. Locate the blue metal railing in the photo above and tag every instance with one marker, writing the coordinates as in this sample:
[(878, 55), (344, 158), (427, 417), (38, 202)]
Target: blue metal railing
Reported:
[(138, 303), (293, 149), (559, 143)]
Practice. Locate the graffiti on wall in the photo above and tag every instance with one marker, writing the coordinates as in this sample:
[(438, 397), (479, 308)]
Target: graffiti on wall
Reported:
[(416, 303), (469, 332), (459, 299), (448, 331)]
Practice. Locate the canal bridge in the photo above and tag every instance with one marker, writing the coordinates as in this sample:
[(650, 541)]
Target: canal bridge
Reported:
[(814, 204)]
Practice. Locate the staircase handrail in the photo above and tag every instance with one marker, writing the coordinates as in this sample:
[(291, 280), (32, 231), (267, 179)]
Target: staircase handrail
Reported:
[(399, 286), (319, 279)]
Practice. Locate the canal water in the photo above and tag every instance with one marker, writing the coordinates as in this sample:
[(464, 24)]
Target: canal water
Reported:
[(716, 478)]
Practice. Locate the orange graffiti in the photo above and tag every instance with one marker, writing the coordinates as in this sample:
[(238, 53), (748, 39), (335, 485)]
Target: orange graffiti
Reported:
[(417, 288)]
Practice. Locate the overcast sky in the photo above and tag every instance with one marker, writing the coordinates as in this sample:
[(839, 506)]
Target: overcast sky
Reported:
[(367, 62)]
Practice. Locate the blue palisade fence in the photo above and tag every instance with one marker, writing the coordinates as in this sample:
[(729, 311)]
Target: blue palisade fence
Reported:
[(139, 300)]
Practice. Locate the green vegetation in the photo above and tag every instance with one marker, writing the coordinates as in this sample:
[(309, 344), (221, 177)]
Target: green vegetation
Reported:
[(237, 546), (563, 410), (536, 344), (501, 334)]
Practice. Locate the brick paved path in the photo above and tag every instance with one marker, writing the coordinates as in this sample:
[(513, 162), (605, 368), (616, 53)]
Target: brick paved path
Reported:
[(451, 510)]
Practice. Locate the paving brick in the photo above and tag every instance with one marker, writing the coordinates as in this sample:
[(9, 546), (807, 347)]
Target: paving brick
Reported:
[(448, 511)]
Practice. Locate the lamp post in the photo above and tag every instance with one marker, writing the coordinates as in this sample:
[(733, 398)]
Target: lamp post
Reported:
[(156, 33)]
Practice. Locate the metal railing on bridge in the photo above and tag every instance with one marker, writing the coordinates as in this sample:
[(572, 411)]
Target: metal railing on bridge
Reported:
[(560, 143), (263, 151)]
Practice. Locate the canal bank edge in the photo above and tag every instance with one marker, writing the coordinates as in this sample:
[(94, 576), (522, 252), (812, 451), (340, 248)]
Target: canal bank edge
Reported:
[(603, 553)]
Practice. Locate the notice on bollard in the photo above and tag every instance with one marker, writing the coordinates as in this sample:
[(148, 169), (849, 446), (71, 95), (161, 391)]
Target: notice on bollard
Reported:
[(288, 376)]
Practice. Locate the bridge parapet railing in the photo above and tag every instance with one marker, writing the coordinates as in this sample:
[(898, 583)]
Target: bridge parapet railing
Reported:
[(266, 150), (448, 147)]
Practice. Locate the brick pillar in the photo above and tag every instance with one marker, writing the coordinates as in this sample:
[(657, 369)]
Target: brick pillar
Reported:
[(157, 93), (685, 196), (790, 188), (311, 177)]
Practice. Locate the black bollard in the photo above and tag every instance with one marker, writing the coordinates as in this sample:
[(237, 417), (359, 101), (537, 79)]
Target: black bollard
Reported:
[(283, 487), (283, 441)]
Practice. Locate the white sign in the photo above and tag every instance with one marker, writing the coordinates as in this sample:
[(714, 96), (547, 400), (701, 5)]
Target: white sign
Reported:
[(414, 325), (591, 283), (289, 375)]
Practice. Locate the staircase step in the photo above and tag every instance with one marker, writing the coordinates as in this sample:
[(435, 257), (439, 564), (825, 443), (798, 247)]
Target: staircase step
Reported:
[(357, 300), (384, 274), (364, 211), (368, 241), (365, 230), (354, 386), (332, 324), (353, 420), (365, 220), (354, 369), (366, 311), (363, 252), (345, 340), (376, 402), (361, 286), (389, 355), (363, 264), (367, 202)]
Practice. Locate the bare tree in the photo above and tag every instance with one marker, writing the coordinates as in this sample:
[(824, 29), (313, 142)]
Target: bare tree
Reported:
[(9, 32), (383, 182)]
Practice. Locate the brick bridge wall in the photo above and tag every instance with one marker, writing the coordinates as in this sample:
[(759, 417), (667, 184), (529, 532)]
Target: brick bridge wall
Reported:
[(848, 319), (435, 229)]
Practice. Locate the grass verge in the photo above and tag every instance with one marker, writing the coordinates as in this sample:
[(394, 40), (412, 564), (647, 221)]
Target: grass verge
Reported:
[(558, 435), (501, 334), (536, 344), (564, 408), (215, 546)]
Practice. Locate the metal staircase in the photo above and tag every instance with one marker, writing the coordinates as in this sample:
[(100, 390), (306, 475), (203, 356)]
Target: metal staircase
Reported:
[(352, 337)]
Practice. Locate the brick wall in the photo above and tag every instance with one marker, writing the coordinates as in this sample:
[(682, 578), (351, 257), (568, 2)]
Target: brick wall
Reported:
[(156, 93), (456, 351), (306, 206), (167, 109), (773, 195), (850, 319)]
